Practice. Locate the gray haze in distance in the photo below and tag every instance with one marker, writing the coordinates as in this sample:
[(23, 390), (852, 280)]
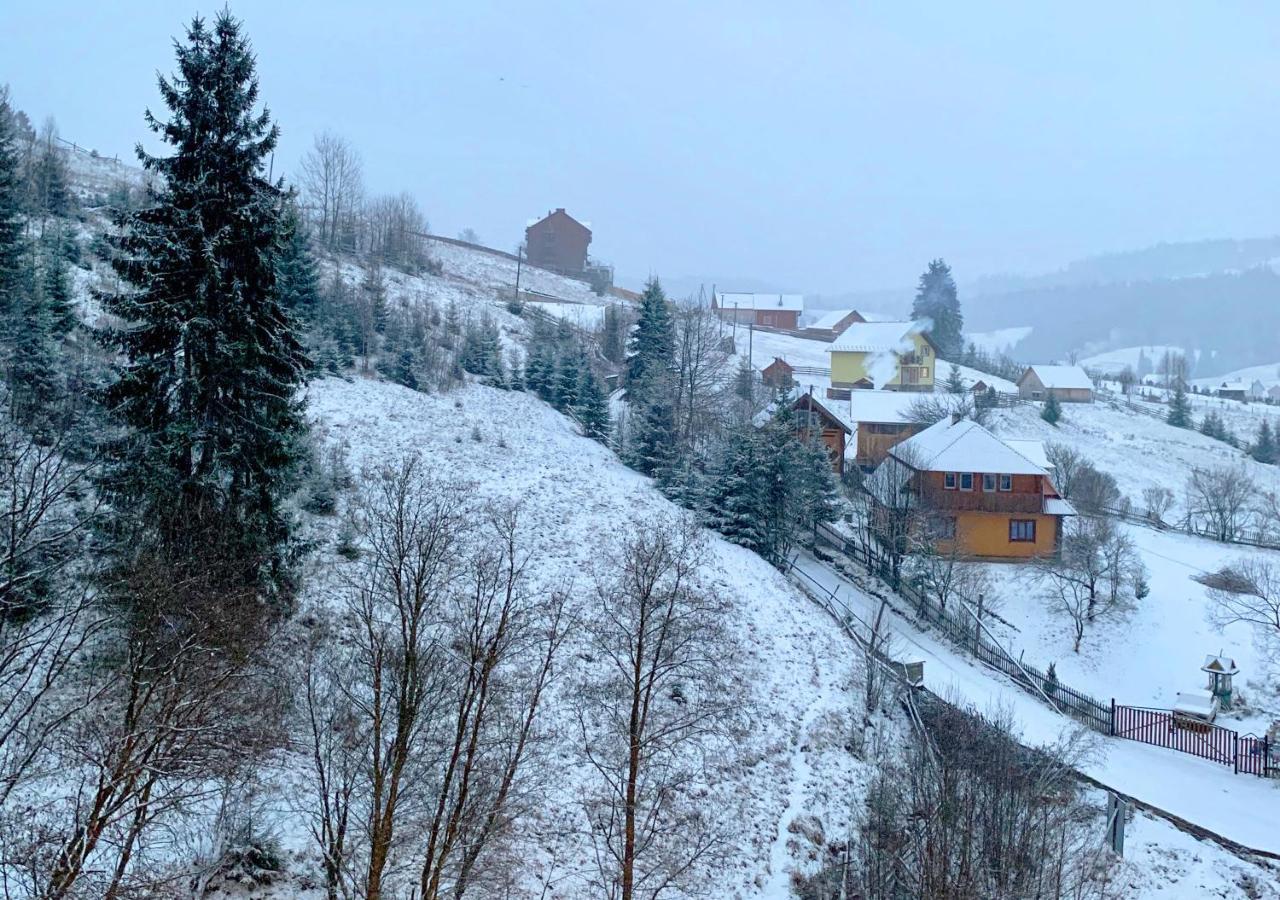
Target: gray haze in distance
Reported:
[(821, 147)]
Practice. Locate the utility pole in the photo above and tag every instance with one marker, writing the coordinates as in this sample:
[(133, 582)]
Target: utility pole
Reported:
[(519, 257)]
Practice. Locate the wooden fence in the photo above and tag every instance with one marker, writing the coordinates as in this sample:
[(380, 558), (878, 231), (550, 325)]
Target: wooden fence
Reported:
[(963, 627)]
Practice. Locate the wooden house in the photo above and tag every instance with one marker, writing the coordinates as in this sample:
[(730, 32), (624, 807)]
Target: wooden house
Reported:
[(1233, 390), (1068, 384), (780, 311), (972, 493), (814, 420), (778, 374), (898, 356), (831, 324), (880, 419), (558, 242)]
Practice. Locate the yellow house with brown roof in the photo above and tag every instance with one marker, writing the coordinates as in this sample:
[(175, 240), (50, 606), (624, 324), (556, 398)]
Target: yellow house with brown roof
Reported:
[(898, 356)]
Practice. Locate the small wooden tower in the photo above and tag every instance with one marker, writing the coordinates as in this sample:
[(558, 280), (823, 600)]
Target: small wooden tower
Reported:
[(1221, 669)]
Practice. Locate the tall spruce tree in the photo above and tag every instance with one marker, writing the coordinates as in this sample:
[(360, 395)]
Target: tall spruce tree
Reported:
[(210, 367), (734, 497), (298, 282), (1264, 449), (592, 409), (937, 300), (1179, 408), (55, 283), (652, 346), (12, 192)]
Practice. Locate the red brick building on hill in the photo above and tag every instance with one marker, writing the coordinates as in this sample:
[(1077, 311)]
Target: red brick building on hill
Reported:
[(558, 242)]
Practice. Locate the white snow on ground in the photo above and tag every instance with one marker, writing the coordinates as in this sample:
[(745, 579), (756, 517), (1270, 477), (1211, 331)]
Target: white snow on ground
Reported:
[(576, 498), (1001, 340), (582, 315), (1244, 808), (1112, 362)]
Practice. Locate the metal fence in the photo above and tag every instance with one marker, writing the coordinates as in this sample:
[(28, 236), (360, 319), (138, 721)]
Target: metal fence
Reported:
[(964, 628)]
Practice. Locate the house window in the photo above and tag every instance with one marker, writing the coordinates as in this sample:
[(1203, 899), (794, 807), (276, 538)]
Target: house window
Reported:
[(942, 528), (966, 481), (1006, 482), (1036, 395), (988, 483), (1022, 531), (949, 481)]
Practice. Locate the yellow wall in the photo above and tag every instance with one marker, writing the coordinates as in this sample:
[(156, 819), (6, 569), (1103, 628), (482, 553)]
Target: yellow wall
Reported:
[(987, 534), (849, 367)]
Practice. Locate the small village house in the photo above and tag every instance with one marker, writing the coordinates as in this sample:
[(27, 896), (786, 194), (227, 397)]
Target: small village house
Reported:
[(974, 493), (880, 420), (1068, 384), (558, 242), (1273, 393), (780, 311), (898, 356), (778, 374), (1257, 390), (1233, 390), (831, 324)]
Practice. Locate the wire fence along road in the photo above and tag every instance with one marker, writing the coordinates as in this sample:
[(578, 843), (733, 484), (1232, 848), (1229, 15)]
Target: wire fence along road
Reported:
[(963, 627)]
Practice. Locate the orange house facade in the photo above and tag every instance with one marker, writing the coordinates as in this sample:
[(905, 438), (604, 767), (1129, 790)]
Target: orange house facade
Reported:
[(978, 496)]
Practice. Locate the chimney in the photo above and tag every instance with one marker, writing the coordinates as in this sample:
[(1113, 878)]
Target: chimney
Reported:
[(957, 418)]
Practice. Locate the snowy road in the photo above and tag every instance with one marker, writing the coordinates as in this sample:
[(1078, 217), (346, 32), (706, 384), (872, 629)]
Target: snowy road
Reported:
[(1243, 808)]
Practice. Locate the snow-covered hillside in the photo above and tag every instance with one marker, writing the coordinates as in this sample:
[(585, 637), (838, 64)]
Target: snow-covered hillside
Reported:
[(795, 667), (1113, 362)]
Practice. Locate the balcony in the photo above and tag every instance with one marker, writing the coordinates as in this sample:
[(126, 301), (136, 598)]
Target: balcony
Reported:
[(982, 501)]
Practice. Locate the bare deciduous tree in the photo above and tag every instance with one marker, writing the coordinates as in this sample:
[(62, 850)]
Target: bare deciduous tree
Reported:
[(333, 186), (1219, 501), (1247, 591), (703, 371), (654, 711), (1157, 501)]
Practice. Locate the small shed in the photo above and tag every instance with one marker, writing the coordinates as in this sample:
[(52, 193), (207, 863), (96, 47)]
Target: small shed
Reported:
[(779, 373), (1068, 384)]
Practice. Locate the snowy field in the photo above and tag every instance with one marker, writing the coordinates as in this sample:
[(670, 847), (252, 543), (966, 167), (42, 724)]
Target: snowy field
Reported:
[(1112, 362), (1001, 340)]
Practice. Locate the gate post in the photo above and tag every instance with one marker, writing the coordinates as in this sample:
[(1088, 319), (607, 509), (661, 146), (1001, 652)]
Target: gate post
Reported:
[(1235, 751), (1112, 730)]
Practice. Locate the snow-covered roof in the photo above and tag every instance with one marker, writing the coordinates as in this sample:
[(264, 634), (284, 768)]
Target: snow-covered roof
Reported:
[(877, 337), (881, 407), (964, 446), (831, 318), (1062, 377), (1032, 450), (1223, 665), (1056, 506), (788, 302)]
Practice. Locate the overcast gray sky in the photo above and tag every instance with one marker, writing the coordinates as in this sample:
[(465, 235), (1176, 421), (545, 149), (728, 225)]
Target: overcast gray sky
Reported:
[(819, 146)]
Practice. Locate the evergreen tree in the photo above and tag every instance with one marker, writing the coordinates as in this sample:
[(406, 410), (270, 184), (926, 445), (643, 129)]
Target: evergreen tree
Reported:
[(937, 300), (1052, 411), (297, 281), (744, 383), (1264, 449), (211, 365), (568, 378), (56, 287), (592, 408), (1179, 408), (955, 384), (538, 372), (653, 442), (373, 290), (33, 372), (652, 346), (11, 201), (734, 499)]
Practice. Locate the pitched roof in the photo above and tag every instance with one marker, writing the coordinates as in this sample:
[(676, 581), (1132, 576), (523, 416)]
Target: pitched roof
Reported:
[(788, 302), (1032, 450), (831, 318), (963, 446), (877, 337), (1066, 378), (882, 407)]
